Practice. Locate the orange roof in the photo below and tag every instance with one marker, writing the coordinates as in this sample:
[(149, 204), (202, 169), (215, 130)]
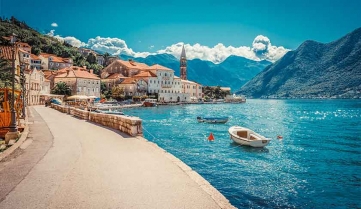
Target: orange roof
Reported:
[(55, 58), (115, 76), (145, 74), (132, 64), (129, 81), (158, 67), (34, 57), (6, 52), (22, 44), (76, 72)]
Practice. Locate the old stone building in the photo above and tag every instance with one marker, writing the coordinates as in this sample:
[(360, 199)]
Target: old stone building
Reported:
[(80, 81)]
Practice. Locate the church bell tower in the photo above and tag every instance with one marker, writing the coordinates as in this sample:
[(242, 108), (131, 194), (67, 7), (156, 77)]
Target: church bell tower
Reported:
[(183, 65)]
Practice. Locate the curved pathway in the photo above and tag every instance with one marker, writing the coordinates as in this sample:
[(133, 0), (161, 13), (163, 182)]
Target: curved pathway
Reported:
[(83, 165)]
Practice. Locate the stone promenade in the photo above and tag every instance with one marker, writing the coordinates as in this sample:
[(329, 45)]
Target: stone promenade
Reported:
[(71, 163)]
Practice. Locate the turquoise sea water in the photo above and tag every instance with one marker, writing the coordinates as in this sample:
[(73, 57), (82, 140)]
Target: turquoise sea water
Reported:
[(316, 165)]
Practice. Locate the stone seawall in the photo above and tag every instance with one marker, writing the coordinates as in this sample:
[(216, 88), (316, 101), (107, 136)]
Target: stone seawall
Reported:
[(126, 124)]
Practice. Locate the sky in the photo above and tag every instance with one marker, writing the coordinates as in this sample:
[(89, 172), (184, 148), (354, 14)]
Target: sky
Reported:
[(210, 30)]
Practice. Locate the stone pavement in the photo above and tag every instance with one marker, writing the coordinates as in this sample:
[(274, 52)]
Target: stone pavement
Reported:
[(71, 163)]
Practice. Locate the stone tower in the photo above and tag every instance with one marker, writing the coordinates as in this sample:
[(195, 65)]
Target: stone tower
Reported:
[(183, 65)]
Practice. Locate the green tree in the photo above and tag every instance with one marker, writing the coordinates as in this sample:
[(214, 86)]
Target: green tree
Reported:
[(5, 72), (118, 92), (35, 50), (106, 56), (61, 88), (103, 87), (91, 58)]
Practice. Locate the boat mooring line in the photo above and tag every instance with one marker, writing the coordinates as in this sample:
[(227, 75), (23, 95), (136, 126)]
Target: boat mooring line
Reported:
[(149, 132)]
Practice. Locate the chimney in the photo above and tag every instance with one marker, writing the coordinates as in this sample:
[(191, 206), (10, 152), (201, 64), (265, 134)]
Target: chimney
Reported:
[(84, 67), (91, 71), (67, 72)]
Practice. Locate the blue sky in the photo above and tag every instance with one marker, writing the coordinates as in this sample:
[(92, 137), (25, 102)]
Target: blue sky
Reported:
[(150, 26)]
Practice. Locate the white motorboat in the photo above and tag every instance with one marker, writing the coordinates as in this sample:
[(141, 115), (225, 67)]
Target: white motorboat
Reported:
[(245, 136), (212, 119)]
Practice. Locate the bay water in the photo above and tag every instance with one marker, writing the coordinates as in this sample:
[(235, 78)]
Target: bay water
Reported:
[(317, 164)]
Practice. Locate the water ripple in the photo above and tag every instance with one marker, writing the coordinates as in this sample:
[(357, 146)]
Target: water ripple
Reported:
[(316, 165)]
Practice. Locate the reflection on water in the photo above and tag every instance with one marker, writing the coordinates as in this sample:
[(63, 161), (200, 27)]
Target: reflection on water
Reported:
[(320, 139)]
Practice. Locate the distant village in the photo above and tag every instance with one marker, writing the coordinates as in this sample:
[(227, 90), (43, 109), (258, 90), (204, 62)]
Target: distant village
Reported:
[(123, 79)]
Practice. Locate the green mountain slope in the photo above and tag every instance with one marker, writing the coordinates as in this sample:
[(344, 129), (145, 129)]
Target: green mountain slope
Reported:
[(314, 70)]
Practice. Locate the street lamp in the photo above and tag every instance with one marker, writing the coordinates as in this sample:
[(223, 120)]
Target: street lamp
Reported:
[(13, 127)]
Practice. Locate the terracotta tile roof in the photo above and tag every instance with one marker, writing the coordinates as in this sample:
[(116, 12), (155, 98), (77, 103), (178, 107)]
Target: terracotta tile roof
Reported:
[(158, 67), (55, 58), (115, 76), (132, 64), (22, 44), (6, 52), (76, 72), (34, 57), (145, 74), (129, 81)]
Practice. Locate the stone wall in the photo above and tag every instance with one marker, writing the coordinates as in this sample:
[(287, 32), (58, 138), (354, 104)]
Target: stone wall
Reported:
[(126, 124)]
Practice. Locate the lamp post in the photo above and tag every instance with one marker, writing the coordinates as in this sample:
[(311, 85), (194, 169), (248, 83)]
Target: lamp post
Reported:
[(23, 86), (13, 127)]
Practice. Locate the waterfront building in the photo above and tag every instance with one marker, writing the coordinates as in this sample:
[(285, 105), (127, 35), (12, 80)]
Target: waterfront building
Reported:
[(193, 89), (52, 62), (129, 86), (111, 80), (80, 81)]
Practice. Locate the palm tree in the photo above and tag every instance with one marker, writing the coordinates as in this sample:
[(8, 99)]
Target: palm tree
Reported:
[(61, 88)]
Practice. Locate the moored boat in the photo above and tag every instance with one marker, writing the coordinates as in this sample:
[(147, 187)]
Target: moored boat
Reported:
[(245, 136), (109, 112), (150, 103), (212, 119)]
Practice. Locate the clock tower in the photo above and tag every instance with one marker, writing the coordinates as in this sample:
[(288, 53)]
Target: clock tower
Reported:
[(183, 65)]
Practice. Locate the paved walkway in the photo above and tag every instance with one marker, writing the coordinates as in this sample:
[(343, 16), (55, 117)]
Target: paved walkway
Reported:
[(71, 163)]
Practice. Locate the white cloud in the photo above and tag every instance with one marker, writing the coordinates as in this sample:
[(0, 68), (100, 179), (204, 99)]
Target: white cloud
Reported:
[(69, 39), (54, 24), (113, 46), (261, 49)]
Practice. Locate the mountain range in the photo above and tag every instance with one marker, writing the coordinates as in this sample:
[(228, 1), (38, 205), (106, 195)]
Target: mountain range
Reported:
[(232, 72), (313, 70)]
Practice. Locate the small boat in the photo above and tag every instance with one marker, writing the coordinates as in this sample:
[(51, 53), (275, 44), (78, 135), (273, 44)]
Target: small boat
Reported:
[(109, 112), (150, 103), (245, 136), (212, 119)]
